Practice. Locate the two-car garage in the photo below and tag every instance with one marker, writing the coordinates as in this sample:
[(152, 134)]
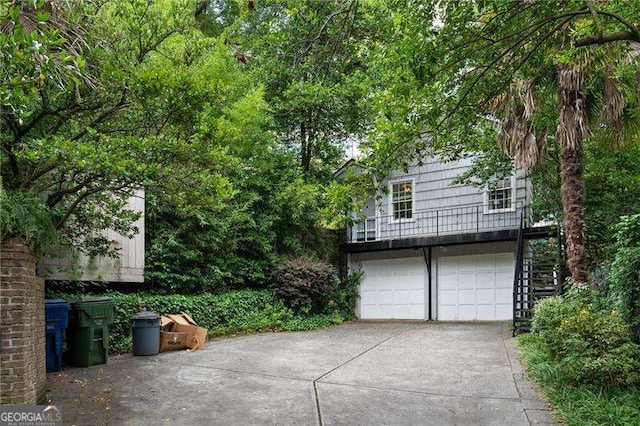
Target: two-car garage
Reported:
[(467, 284)]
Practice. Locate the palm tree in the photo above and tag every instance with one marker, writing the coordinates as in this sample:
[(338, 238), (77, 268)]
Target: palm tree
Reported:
[(571, 131), (517, 136)]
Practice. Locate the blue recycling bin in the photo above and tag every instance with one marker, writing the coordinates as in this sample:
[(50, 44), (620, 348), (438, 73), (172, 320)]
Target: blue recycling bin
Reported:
[(56, 312)]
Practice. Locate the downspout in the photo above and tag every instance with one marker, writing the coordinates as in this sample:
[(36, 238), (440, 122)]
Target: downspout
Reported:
[(427, 260)]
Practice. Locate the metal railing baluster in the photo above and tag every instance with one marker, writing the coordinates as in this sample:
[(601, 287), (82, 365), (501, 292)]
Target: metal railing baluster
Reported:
[(436, 222)]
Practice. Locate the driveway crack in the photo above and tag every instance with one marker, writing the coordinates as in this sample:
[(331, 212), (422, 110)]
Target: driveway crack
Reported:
[(315, 381)]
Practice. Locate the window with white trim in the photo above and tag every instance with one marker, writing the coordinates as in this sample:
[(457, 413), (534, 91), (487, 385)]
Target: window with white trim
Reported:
[(499, 195), (402, 199)]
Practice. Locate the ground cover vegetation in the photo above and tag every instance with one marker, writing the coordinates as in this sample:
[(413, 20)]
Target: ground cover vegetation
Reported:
[(227, 313)]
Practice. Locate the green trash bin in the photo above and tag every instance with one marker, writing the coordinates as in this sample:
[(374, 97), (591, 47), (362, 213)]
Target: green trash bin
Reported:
[(88, 332)]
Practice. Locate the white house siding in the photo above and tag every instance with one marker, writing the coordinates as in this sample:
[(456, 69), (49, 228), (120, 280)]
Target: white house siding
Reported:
[(469, 298), (127, 267)]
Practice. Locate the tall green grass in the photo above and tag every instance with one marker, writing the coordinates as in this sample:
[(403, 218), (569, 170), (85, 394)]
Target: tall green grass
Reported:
[(579, 406)]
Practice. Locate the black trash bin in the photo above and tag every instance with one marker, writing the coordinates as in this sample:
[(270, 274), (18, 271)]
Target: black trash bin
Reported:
[(145, 331), (56, 312)]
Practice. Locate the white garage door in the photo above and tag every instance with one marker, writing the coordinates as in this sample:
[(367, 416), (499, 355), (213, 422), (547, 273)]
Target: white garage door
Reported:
[(393, 289), (478, 287)]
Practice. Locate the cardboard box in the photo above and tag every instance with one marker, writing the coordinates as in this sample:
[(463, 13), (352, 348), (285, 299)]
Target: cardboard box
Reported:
[(172, 341), (166, 324), (196, 336)]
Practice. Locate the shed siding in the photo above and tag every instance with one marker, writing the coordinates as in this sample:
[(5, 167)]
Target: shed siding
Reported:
[(128, 267)]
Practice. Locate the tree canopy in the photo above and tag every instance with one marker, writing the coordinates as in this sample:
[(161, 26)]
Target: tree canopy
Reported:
[(99, 99), (232, 115)]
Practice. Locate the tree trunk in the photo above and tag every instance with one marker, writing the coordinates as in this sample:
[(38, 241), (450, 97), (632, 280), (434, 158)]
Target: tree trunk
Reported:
[(305, 156), (572, 129)]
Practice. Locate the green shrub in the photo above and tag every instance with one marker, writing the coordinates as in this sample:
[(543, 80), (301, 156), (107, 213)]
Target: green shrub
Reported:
[(305, 285), (344, 296), (239, 311), (624, 281), (590, 346), (597, 349), (550, 313)]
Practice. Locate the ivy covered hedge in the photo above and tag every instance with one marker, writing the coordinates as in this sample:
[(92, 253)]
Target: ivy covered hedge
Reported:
[(238, 311)]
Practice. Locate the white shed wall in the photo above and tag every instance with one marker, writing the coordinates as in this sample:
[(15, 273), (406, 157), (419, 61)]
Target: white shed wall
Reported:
[(128, 267)]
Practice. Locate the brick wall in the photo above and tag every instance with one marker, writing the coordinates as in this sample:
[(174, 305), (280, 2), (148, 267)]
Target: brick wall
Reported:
[(22, 326)]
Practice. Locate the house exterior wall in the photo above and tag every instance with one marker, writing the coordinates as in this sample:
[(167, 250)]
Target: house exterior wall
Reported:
[(434, 189), (440, 207), (127, 267)]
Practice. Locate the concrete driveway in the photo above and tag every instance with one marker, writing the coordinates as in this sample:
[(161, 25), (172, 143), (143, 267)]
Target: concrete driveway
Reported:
[(360, 373)]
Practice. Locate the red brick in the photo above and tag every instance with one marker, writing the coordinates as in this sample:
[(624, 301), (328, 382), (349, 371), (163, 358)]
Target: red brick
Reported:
[(22, 320)]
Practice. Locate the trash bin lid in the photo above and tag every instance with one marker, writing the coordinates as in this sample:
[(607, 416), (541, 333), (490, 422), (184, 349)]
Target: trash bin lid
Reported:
[(53, 302), (92, 300), (145, 315)]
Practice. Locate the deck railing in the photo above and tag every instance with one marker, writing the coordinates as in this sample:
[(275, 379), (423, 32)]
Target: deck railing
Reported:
[(464, 219)]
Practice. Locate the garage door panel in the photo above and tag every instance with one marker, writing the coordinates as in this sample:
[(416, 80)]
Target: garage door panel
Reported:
[(504, 297), (486, 312), (466, 280), (448, 297), (485, 280), (505, 259), (485, 263), (505, 279), (448, 313), (468, 314), (414, 283), (449, 282), (504, 311), (384, 273), (416, 311), (416, 296), (486, 296), (467, 264), (393, 289), (475, 287), (467, 297), (408, 297)]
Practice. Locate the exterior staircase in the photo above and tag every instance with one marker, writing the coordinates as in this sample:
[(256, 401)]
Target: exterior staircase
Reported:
[(536, 277)]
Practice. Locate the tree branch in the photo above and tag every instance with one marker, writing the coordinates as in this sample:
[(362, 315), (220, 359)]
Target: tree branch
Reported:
[(36, 175), (56, 197), (609, 38), (596, 19), (632, 28), (324, 27), (122, 103), (72, 208), (8, 148), (632, 35)]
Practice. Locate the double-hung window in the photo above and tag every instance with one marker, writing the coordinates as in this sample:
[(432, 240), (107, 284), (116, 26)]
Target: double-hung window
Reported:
[(500, 195), (402, 199)]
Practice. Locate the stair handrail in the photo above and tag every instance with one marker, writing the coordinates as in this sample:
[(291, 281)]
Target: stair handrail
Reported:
[(518, 268)]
